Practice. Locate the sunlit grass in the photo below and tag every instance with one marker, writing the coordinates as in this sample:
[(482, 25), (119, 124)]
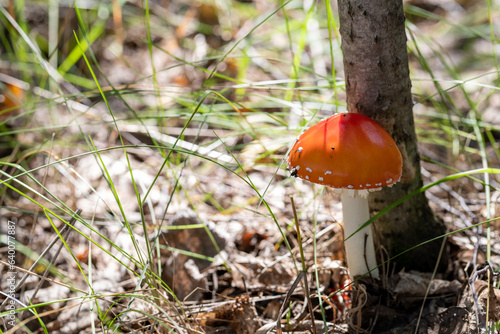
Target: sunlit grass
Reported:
[(250, 94)]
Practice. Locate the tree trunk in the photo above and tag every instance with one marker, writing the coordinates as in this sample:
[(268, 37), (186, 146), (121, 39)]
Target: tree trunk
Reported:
[(378, 85)]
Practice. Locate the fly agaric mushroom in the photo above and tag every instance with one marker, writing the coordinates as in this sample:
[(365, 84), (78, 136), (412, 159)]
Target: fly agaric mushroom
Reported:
[(353, 154)]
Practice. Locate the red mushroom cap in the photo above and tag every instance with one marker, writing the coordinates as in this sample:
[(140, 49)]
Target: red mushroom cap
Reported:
[(349, 151)]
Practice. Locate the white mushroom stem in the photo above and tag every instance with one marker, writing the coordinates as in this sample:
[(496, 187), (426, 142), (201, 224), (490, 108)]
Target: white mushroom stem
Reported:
[(360, 250)]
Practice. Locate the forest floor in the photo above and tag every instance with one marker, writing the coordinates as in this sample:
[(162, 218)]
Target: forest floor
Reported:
[(144, 189)]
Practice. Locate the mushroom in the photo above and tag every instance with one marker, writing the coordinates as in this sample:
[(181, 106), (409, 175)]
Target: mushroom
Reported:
[(354, 155)]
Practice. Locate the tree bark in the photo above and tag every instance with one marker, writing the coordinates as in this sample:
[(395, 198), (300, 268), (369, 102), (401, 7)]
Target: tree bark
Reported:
[(378, 85)]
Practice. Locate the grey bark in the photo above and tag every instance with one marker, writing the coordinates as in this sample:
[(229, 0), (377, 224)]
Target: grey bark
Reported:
[(378, 85)]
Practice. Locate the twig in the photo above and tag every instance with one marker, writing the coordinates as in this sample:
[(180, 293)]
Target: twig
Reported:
[(66, 231), (302, 275), (487, 268), (304, 269), (52, 243)]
